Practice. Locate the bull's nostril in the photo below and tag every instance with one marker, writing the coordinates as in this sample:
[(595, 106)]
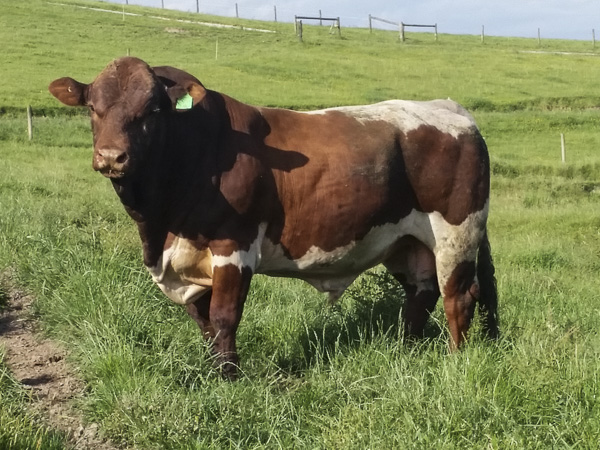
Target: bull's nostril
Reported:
[(111, 161), (121, 159)]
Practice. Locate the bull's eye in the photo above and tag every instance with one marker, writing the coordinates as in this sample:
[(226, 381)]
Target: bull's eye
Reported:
[(91, 107), (155, 110)]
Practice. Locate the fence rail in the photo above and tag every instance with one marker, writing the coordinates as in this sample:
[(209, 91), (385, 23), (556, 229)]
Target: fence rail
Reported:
[(230, 8), (412, 25), (401, 26), (335, 23), (397, 24)]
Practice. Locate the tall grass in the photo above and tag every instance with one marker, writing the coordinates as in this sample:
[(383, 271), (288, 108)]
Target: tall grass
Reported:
[(313, 376)]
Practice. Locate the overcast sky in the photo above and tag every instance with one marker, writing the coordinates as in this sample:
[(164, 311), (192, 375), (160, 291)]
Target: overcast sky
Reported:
[(566, 19)]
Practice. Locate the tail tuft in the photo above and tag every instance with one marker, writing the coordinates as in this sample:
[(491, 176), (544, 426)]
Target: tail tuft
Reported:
[(488, 299)]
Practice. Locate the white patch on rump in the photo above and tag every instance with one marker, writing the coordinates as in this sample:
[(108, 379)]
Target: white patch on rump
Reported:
[(445, 115), (455, 244)]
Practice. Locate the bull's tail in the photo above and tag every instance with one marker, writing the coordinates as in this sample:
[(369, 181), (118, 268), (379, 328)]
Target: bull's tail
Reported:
[(488, 293)]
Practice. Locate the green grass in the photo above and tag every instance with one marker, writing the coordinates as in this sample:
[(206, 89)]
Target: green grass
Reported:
[(313, 376), (20, 429), (276, 69)]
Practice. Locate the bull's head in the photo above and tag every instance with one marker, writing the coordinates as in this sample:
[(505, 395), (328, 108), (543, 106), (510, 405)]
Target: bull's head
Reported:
[(126, 102)]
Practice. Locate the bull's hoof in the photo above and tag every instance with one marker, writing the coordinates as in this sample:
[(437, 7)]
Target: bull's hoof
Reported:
[(229, 371)]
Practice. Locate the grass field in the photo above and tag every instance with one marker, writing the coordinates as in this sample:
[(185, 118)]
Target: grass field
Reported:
[(313, 376)]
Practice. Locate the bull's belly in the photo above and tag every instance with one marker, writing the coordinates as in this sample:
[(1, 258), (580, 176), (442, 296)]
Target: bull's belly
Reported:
[(356, 256), (184, 272), (332, 271)]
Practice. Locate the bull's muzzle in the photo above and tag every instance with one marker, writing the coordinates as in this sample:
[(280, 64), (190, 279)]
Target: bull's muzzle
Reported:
[(111, 163)]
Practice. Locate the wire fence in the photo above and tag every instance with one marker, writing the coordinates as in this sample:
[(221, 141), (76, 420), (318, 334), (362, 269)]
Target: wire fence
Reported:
[(227, 8), (272, 12)]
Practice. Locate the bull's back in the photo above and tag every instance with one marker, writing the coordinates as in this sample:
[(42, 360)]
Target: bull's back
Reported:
[(371, 165)]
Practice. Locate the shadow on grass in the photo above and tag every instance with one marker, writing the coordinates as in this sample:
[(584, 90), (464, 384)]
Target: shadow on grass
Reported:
[(371, 309), (4, 297)]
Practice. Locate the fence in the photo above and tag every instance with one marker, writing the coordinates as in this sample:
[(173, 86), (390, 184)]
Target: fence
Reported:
[(334, 25), (372, 18), (404, 25), (401, 26), (266, 12), (216, 7)]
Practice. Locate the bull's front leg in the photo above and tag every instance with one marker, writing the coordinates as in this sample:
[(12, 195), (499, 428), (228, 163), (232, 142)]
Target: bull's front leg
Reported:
[(218, 314), (230, 288)]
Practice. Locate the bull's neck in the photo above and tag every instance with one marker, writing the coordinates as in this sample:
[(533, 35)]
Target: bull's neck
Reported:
[(181, 181), (177, 173)]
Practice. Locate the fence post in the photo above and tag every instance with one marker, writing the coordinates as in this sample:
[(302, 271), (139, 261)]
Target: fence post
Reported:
[(594, 37), (402, 37), (237, 15), (436, 33), (29, 122), (275, 12), (539, 38), (370, 25), (197, 6), (162, 4), (482, 34), (299, 30), (320, 17), (563, 151)]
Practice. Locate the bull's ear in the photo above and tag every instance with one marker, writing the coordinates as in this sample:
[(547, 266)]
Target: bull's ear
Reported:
[(196, 91), (68, 91), (188, 97), (175, 93)]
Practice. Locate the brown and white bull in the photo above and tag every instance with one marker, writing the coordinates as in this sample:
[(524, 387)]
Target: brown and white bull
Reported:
[(224, 190)]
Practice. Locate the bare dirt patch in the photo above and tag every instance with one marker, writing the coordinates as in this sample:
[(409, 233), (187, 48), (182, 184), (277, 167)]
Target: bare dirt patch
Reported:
[(41, 367), (175, 30)]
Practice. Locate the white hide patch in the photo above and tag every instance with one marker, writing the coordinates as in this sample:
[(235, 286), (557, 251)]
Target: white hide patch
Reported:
[(333, 271), (183, 272), (243, 258), (445, 115), (456, 243)]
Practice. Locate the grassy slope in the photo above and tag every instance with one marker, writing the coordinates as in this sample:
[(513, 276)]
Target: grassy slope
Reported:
[(315, 377), (274, 69)]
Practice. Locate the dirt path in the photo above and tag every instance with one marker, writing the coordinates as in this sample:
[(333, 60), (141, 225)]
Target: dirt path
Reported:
[(40, 365)]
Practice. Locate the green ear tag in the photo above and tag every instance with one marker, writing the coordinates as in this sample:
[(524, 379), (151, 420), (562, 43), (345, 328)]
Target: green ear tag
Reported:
[(185, 102)]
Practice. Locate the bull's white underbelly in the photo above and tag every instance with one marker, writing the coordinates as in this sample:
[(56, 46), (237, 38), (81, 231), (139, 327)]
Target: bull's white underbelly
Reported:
[(184, 273), (333, 271), (356, 256)]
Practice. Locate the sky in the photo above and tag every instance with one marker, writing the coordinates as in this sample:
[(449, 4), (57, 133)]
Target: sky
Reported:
[(561, 19)]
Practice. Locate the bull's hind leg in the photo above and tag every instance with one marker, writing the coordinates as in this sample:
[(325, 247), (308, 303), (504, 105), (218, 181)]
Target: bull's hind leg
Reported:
[(199, 311), (460, 292), (456, 254), (413, 265)]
